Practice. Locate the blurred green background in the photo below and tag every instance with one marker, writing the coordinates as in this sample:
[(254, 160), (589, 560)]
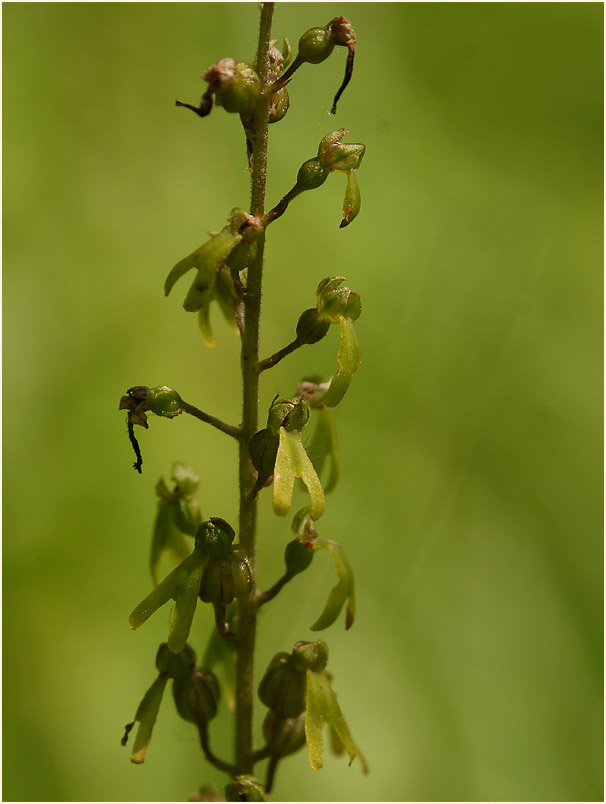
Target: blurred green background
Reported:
[(470, 499)]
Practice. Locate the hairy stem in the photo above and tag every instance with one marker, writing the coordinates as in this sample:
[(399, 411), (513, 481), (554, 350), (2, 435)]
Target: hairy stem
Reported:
[(250, 402), (275, 358), (218, 763), (212, 420)]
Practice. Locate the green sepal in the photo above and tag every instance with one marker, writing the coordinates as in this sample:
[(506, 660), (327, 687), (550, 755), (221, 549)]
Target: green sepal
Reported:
[(322, 447), (310, 656), (215, 538), (209, 258), (245, 788), (352, 200), (321, 708), (146, 715), (335, 302), (292, 462), (339, 594), (181, 585), (348, 360)]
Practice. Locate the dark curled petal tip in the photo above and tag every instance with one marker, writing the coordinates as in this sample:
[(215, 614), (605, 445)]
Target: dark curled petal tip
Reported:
[(344, 223)]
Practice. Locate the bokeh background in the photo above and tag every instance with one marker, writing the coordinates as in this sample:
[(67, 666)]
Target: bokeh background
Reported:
[(470, 499)]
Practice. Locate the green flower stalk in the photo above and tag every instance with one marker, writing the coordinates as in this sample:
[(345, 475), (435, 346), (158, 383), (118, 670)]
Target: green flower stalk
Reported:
[(213, 562)]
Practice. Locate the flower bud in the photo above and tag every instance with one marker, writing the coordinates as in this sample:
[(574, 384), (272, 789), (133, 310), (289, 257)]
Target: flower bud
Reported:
[(197, 696), (284, 736), (236, 86), (315, 45), (245, 788), (297, 418), (297, 557), (310, 328), (175, 665), (337, 155), (335, 303), (215, 538), (278, 412)]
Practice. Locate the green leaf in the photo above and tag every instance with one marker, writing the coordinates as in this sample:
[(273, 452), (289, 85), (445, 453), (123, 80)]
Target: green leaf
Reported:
[(292, 462), (343, 591), (180, 586), (348, 360), (147, 712), (323, 446)]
